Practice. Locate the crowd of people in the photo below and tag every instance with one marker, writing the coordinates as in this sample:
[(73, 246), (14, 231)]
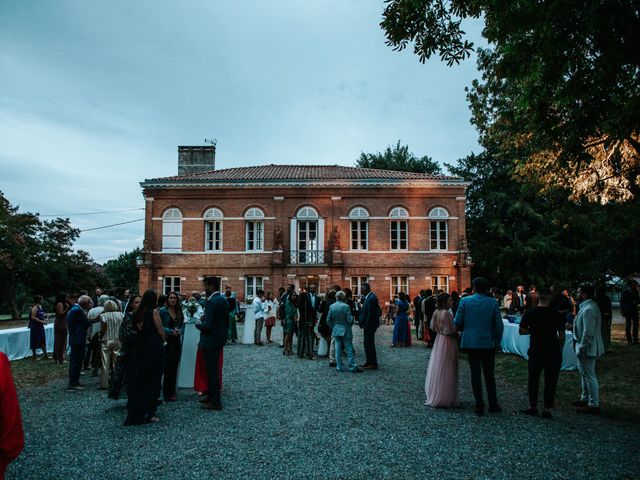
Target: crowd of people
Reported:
[(134, 343)]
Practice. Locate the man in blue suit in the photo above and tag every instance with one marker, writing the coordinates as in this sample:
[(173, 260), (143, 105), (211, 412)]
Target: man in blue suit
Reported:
[(478, 318), (78, 324), (370, 321), (213, 336)]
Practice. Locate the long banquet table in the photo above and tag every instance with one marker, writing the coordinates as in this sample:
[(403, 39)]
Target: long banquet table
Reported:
[(14, 342), (513, 342)]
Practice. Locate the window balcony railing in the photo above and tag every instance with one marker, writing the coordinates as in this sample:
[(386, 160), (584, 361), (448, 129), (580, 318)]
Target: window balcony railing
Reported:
[(307, 257)]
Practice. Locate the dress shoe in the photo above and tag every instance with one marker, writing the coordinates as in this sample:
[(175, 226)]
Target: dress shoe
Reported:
[(589, 409), (210, 406), (546, 414), (495, 409), (371, 367), (479, 411), (332, 364), (530, 411), (75, 388), (205, 399), (579, 403), (356, 370)]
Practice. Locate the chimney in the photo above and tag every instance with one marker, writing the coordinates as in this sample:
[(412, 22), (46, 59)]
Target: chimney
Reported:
[(196, 159)]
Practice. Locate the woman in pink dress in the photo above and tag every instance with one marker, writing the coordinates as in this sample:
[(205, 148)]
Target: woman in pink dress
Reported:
[(441, 385)]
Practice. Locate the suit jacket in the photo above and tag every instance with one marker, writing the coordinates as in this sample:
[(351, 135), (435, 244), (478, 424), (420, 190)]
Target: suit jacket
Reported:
[(370, 313), (427, 309), (417, 305), (629, 303), (479, 319), (78, 324), (587, 330), (340, 319), (215, 323), (315, 301)]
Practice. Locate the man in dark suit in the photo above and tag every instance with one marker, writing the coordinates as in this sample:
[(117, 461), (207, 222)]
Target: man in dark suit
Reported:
[(213, 336), (315, 299), (370, 321), (417, 315), (78, 324)]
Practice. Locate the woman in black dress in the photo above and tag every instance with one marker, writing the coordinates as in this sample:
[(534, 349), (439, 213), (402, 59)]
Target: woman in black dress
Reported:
[(127, 335), (148, 362), (173, 323)]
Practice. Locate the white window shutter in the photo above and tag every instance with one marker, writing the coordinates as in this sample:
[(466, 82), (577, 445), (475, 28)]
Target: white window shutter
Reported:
[(321, 234), (293, 244)]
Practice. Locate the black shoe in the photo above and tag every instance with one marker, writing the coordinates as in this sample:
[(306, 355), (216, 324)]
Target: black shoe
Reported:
[(356, 370), (495, 409), (546, 414), (530, 411), (579, 403), (332, 364), (479, 411)]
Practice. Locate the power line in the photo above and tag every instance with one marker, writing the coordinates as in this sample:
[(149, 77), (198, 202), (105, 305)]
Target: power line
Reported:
[(93, 213), (112, 225)]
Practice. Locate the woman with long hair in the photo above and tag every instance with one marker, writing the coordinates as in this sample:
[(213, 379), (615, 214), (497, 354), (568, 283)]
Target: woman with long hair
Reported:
[(127, 336), (148, 362), (173, 324), (37, 321), (271, 305), (60, 331), (441, 384), (401, 332)]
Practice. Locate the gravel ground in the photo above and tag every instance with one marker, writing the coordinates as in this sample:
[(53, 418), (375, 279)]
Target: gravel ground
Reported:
[(285, 417)]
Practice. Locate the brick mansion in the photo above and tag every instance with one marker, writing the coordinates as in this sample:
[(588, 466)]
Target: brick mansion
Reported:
[(309, 225)]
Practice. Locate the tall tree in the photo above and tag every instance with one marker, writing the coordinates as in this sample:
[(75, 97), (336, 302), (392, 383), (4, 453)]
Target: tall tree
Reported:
[(398, 158), (560, 82), (123, 271), (37, 257)]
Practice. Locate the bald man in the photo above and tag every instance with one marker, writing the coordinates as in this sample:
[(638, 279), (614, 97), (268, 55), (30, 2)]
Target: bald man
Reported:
[(78, 325)]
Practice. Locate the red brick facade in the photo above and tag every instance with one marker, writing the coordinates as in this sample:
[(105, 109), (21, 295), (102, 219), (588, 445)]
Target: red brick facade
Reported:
[(280, 200)]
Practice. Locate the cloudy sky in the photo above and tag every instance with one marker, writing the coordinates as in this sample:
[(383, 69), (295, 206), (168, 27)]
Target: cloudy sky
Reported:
[(96, 96)]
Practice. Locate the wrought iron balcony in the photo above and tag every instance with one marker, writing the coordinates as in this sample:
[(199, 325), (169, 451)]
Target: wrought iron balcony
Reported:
[(307, 257)]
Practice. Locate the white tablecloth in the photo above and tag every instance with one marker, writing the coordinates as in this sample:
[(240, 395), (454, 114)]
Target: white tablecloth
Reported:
[(513, 342), (14, 342), (187, 371), (249, 327)]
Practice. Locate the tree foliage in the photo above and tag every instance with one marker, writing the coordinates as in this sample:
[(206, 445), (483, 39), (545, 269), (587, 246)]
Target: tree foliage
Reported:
[(123, 271), (36, 257), (398, 158), (518, 235), (560, 84)]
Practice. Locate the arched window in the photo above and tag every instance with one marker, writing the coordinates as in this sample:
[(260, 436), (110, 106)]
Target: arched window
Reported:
[(254, 230), (307, 236), (213, 230), (438, 228), (399, 212), (307, 213), (359, 228), (172, 231), (399, 228)]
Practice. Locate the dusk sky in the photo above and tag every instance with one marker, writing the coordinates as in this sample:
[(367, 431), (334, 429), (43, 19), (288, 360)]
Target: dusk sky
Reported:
[(96, 97)]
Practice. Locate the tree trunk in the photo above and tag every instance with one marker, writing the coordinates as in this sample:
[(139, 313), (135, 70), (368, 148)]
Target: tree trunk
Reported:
[(13, 305)]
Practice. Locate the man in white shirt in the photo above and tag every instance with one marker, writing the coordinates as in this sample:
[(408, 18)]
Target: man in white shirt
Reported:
[(259, 315)]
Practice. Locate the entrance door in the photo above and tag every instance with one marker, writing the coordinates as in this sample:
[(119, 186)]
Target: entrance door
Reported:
[(305, 283), (307, 241)]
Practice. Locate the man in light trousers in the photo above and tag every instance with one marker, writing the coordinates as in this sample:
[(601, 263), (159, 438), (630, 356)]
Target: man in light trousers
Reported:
[(340, 322), (259, 315), (587, 334)]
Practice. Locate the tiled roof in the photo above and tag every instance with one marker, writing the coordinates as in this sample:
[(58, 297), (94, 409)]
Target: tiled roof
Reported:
[(267, 173)]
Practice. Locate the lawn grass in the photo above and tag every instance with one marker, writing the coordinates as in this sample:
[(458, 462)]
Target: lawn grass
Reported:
[(27, 373), (617, 373)]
